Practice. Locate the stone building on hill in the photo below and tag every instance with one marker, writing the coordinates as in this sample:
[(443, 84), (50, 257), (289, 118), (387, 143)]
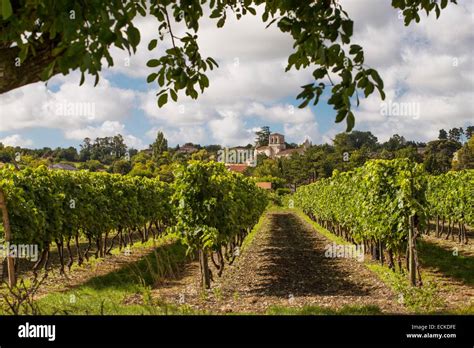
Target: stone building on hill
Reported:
[(187, 148), (276, 147)]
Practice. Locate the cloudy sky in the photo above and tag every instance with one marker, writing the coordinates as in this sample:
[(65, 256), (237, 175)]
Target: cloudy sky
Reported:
[(429, 66)]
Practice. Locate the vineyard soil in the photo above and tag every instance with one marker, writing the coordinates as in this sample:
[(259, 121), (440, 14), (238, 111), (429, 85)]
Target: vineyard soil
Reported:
[(282, 269), (285, 266)]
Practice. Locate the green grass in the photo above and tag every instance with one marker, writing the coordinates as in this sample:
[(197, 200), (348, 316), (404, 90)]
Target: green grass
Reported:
[(329, 235), (317, 310), (113, 293), (465, 310), (424, 299), (263, 221), (456, 266)]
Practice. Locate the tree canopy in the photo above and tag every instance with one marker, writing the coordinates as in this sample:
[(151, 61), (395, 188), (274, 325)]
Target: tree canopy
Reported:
[(39, 39), (262, 136), (159, 146)]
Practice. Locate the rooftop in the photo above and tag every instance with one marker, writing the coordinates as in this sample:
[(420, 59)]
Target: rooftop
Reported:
[(237, 167)]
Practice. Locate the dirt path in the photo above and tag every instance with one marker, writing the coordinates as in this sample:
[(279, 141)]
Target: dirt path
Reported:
[(451, 265), (284, 265)]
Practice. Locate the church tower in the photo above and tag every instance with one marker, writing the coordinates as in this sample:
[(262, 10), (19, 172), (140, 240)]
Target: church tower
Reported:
[(276, 142)]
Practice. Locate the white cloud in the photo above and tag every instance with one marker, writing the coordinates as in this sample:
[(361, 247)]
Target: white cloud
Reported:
[(106, 129), (437, 74), (233, 88), (251, 74), (16, 140), (429, 63), (135, 65), (246, 39), (181, 135), (231, 130), (250, 86), (375, 12), (281, 113), (70, 107), (302, 131), (134, 142), (189, 112)]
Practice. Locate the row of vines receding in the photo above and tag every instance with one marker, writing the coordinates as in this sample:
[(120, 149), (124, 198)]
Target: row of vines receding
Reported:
[(386, 205), (211, 208)]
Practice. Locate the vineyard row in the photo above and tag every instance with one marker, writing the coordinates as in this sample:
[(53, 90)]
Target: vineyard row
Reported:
[(385, 205), (211, 208)]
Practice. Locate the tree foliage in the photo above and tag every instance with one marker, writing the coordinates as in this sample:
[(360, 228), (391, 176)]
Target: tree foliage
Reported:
[(105, 150), (159, 146), (41, 39), (262, 136), (439, 155), (464, 157)]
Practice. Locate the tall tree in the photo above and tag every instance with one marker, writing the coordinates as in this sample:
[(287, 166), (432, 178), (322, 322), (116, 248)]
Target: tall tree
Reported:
[(263, 136), (395, 142), (464, 158), (268, 167), (159, 146), (119, 148), (469, 131), (7, 153), (105, 150), (455, 134), (443, 135), (86, 150), (354, 141), (69, 154), (439, 155), (296, 170), (40, 39)]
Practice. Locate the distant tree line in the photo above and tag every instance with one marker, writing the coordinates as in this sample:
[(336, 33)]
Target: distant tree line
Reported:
[(453, 150)]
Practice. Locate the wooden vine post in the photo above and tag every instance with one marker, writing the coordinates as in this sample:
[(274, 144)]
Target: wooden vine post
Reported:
[(205, 272), (411, 251), (8, 238), (412, 262)]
